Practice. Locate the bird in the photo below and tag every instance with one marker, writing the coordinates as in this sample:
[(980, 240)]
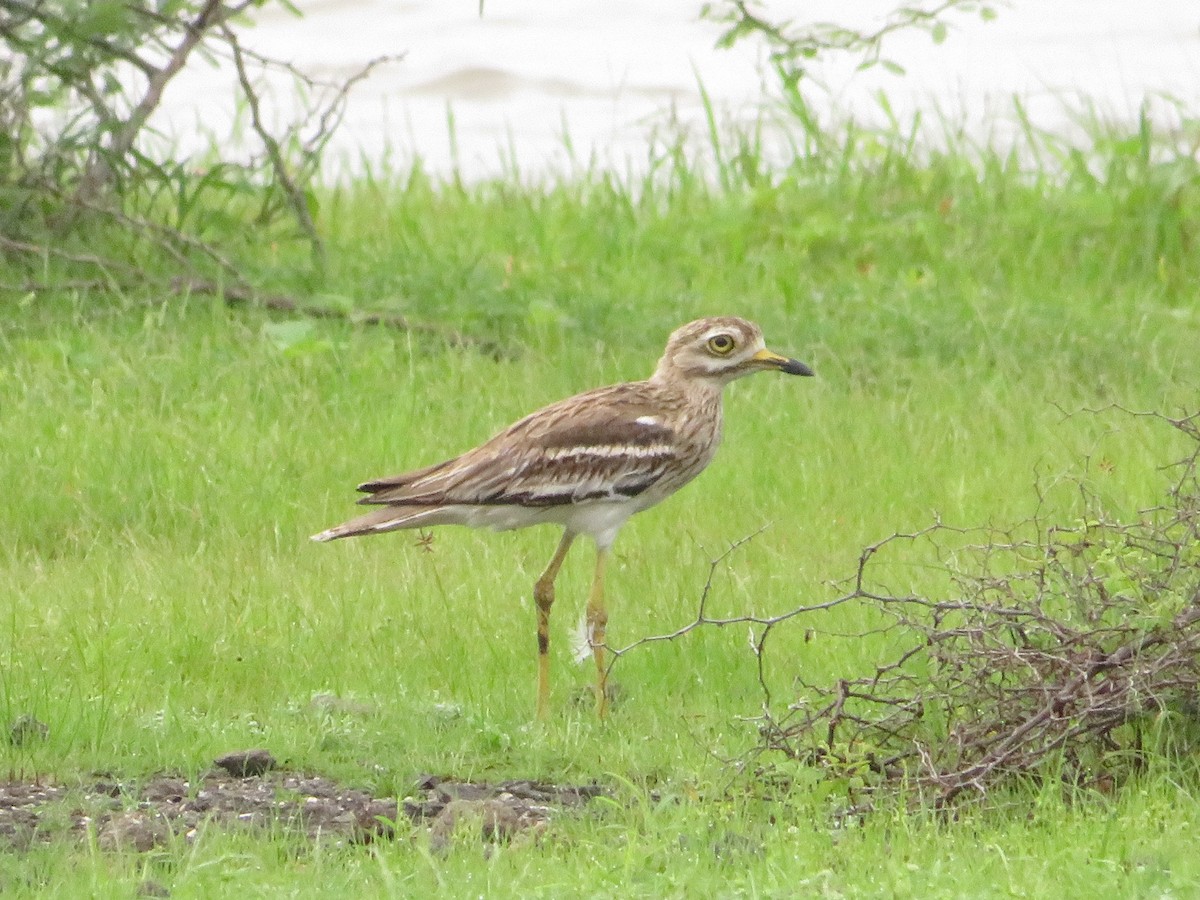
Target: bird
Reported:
[(585, 464)]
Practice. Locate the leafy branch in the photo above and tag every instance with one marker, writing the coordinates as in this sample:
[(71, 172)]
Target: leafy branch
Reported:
[(795, 45)]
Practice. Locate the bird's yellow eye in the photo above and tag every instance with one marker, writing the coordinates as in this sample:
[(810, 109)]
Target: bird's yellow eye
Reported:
[(720, 344)]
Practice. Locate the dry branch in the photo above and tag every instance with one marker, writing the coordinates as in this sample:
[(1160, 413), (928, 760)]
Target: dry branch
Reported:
[(1053, 657), (294, 194)]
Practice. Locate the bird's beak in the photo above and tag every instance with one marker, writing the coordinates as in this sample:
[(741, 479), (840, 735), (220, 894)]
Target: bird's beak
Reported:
[(769, 360)]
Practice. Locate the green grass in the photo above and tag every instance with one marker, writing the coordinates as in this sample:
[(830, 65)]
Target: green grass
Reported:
[(164, 463)]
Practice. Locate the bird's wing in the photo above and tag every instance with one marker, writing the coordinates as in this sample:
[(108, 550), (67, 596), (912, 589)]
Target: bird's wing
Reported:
[(604, 444)]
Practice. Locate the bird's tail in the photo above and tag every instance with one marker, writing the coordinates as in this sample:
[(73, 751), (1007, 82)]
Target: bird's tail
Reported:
[(387, 518)]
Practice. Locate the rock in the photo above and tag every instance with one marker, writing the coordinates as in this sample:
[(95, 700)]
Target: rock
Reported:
[(246, 763), (499, 819), (140, 831), (165, 790), (377, 819)]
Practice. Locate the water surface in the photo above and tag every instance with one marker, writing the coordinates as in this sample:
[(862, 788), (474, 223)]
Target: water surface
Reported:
[(526, 75)]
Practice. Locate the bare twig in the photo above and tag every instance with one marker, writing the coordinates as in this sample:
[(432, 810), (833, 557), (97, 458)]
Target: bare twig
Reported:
[(294, 194), (330, 118), (702, 618)]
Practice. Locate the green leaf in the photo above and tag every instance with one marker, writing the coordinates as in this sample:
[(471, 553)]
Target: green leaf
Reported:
[(103, 18)]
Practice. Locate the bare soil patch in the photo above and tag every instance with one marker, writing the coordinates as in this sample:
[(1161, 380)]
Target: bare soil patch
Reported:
[(245, 791)]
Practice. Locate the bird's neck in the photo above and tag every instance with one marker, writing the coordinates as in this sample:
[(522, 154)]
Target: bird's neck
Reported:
[(689, 388), (674, 378)]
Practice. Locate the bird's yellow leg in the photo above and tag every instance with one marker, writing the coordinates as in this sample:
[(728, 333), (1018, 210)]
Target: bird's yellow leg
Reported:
[(597, 620), (543, 596)]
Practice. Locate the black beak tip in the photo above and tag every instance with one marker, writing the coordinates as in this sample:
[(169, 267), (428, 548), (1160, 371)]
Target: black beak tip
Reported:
[(795, 367)]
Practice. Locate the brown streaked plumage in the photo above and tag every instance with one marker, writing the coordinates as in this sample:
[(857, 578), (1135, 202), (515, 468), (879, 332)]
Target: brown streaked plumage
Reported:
[(586, 463)]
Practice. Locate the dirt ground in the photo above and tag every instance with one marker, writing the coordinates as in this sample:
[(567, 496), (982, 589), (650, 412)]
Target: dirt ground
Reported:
[(244, 790)]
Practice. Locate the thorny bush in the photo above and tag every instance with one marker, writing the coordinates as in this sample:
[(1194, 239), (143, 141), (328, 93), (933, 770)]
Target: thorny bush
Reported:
[(1061, 651)]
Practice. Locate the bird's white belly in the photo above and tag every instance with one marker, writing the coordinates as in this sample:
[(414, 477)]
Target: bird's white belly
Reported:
[(599, 519)]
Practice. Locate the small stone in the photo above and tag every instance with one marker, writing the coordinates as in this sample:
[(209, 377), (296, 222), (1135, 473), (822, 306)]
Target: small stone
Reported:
[(498, 821), (166, 789), (133, 831), (108, 788), (246, 763), (376, 820)]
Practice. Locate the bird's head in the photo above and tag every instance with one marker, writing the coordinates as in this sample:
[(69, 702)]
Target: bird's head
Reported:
[(720, 349)]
